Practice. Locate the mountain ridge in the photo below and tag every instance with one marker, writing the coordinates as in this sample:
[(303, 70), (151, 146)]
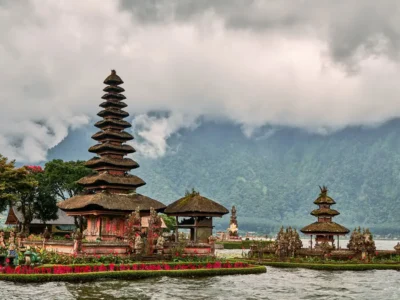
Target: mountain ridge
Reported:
[(273, 177)]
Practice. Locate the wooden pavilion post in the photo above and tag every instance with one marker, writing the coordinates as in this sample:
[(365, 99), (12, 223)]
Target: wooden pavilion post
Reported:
[(311, 242), (337, 242), (195, 229), (100, 221), (176, 230)]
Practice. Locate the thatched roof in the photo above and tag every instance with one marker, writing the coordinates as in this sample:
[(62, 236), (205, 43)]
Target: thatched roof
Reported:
[(325, 212), (195, 204), (325, 228), (15, 216), (108, 201), (111, 147), (100, 135), (112, 111), (103, 161), (113, 96), (113, 88), (113, 122), (113, 103), (323, 197), (105, 178), (113, 79)]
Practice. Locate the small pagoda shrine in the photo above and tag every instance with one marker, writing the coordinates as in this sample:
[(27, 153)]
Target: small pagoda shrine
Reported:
[(195, 212), (110, 194), (324, 229)]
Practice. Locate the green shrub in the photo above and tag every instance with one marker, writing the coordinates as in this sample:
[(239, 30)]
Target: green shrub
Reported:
[(78, 277)]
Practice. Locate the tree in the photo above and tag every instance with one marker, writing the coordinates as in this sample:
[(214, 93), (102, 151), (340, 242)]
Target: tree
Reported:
[(170, 222), (14, 182), (35, 200), (62, 176), (45, 204)]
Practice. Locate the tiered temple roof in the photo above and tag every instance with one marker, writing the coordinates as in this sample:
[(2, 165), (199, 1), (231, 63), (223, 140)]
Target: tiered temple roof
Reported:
[(324, 225), (111, 188)]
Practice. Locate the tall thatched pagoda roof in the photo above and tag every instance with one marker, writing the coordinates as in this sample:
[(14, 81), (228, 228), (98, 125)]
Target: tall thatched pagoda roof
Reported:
[(110, 201), (193, 204), (111, 189)]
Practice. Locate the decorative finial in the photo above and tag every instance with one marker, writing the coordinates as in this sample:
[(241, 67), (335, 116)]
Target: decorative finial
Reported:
[(113, 72), (324, 190)]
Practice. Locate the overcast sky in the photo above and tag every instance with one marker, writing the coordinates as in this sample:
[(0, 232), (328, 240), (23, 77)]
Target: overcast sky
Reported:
[(319, 65)]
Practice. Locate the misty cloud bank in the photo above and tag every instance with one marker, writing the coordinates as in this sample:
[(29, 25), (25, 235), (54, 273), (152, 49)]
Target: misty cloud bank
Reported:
[(318, 65)]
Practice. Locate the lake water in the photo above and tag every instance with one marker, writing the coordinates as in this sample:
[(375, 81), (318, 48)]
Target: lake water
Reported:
[(275, 284)]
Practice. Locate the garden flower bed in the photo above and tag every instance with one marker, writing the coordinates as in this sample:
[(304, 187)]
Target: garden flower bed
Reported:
[(124, 271)]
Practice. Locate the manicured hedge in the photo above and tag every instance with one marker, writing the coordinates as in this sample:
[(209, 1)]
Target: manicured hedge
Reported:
[(242, 244), (78, 277), (342, 267)]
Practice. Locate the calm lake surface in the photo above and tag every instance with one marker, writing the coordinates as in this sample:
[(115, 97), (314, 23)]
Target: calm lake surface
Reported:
[(275, 284)]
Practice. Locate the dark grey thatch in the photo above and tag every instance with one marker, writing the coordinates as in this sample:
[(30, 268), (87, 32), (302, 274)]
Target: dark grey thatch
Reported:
[(325, 212), (113, 122), (325, 228), (100, 135), (113, 89), (113, 111), (102, 161), (113, 96), (15, 216), (108, 201), (195, 204), (111, 147), (113, 79), (113, 103), (108, 179)]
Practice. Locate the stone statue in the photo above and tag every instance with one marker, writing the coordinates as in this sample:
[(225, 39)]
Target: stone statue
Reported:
[(397, 247), (11, 239), (46, 234), (2, 243), (12, 253), (138, 244), (77, 241), (160, 244)]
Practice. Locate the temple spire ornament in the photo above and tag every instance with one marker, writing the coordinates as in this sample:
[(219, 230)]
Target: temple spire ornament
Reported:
[(233, 225)]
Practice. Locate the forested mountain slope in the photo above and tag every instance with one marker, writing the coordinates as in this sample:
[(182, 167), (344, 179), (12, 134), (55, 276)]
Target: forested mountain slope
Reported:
[(273, 177)]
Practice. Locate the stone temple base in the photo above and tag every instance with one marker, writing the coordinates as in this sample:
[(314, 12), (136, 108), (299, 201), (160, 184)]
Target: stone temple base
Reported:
[(91, 248)]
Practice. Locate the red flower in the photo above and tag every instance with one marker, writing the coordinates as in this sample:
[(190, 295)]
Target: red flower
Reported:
[(34, 169)]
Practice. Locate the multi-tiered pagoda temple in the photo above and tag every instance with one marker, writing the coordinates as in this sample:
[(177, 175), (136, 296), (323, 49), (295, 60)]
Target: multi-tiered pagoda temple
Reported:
[(324, 229), (110, 194)]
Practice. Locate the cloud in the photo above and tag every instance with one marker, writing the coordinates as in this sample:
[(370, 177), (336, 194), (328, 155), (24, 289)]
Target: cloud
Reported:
[(318, 65), (155, 131)]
